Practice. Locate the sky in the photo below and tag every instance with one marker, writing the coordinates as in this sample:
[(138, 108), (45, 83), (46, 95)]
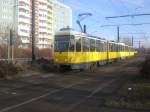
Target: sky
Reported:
[(104, 8)]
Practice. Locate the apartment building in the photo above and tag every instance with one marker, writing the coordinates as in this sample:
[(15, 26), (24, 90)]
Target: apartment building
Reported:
[(53, 16), (16, 15), (23, 21), (7, 13), (45, 24), (6, 19), (62, 16), (50, 16), (50, 22)]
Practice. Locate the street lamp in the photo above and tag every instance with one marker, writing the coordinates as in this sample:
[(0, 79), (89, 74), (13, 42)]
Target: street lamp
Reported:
[(15, 24)]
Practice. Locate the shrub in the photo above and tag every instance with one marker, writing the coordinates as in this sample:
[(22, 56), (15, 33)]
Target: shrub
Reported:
[(46, 65), (145, 70), (8, 69), (46, 52)]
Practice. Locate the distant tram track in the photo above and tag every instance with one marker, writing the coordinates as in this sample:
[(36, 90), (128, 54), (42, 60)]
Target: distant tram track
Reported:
[(103, 84), (39, 97)]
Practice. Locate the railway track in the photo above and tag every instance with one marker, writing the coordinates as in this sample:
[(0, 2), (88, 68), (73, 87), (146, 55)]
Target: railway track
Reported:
[(55, 91), (71, 91)]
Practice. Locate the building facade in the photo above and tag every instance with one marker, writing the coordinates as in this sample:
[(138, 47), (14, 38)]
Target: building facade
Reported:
[(50, 16), (16, 15), (45, 23), (7, 13), (6, 19), (23, 21), (62, 16)]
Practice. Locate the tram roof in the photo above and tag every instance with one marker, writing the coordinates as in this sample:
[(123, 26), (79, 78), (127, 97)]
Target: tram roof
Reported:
[(69, 31), (72, 32)]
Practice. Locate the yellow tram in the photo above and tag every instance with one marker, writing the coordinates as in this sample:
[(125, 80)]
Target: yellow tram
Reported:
[(76, 50)]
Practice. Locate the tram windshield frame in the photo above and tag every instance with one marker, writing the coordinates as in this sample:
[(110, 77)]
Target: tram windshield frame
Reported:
[(63, 43)]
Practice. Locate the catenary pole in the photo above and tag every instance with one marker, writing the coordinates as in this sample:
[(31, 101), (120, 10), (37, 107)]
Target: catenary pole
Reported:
[(33, 31)]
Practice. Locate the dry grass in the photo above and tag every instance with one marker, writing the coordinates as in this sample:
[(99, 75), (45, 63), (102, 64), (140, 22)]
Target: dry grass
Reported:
[(135, 94), (8, 69), (145, 70)]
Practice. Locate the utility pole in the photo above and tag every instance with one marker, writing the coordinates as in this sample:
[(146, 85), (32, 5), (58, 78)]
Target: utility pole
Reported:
[(118, 30), (118, 34), (119, 25), (33, 31), (11, 43), (8, 47), (132, 40), (139, 44)]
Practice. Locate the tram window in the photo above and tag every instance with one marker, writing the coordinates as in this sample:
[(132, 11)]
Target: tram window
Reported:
[(103, 46), (86, 44), (62, 43), (98, 46), (116, 47), (106, 47), (113, 47), (109, 47), (78, 44), (119, 48), (123, 48), (72, 44), (92, 45)]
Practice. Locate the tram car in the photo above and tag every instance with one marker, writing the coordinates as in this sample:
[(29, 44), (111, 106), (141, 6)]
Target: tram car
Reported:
[(76, 50)]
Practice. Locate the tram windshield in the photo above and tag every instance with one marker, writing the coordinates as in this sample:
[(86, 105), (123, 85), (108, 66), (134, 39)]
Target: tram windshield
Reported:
[(62, 43)]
